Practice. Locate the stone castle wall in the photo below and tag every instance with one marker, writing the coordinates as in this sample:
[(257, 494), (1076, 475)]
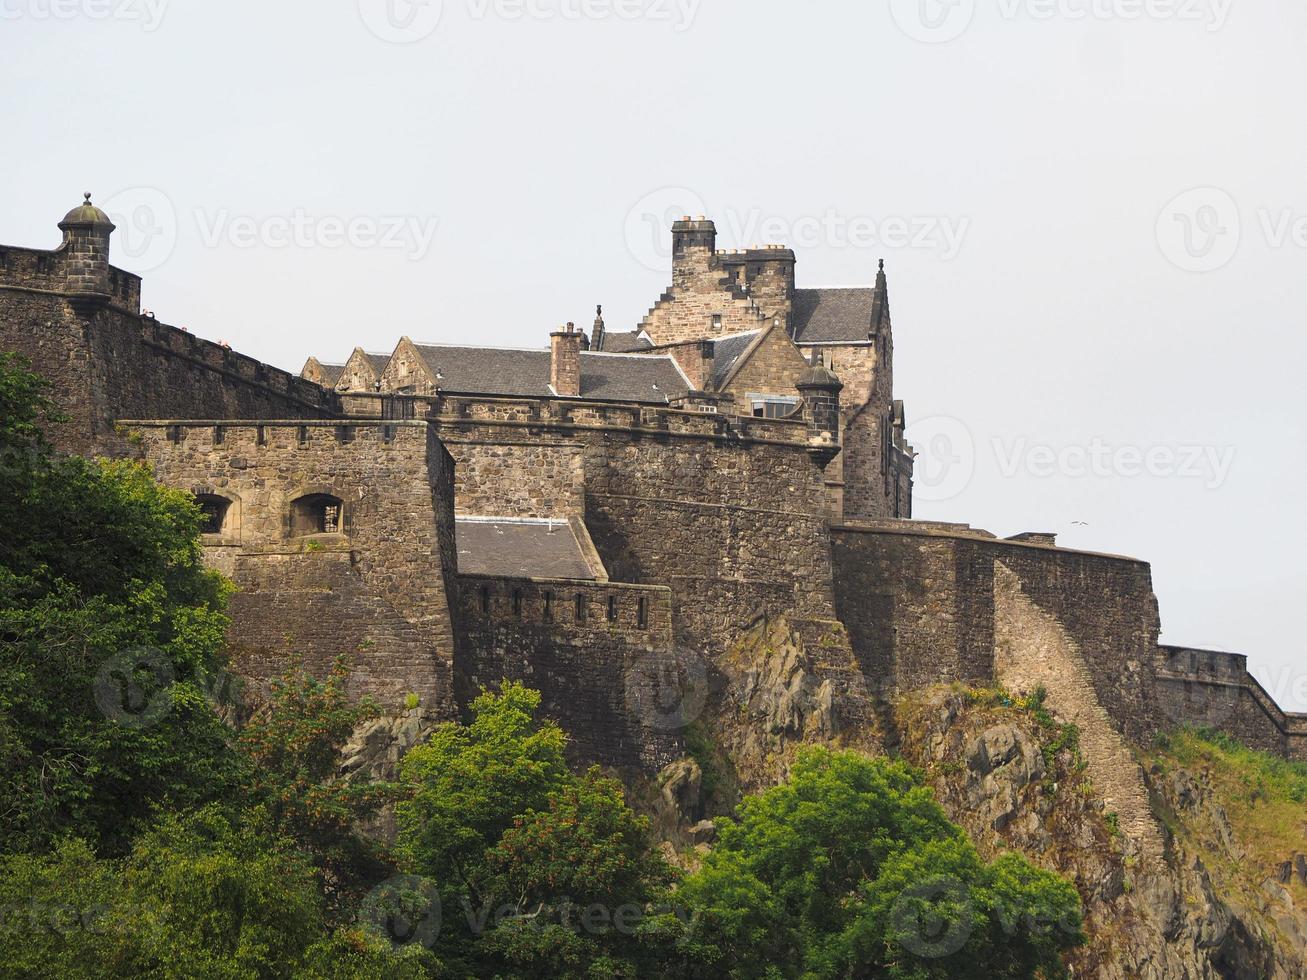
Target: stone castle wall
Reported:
[(378, 590), (108, 364), (920, 605), (601, 655), (1210, 689)]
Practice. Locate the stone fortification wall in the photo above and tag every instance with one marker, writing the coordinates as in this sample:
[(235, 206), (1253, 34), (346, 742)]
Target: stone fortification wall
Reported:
[(376, 588), (601, 656), (920, 605), (108, 363)]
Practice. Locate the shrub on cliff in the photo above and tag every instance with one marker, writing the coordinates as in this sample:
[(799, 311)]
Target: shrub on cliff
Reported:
[(852, 869)]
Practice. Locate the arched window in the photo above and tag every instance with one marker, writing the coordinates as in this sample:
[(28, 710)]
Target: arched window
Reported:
[(215, 510), (317, 513)]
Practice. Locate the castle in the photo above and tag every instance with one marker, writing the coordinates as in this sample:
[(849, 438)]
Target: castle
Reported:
[(617, 509)]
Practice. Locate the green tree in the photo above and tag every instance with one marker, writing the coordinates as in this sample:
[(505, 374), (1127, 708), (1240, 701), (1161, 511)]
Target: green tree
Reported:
[(111, 638), (541, 872), (851, 869), (293, 782)]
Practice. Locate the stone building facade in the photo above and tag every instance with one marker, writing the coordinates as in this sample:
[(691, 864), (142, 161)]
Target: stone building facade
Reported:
[(712, 502)]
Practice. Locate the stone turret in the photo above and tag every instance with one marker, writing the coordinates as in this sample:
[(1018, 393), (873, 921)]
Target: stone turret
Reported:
[(694, 248), (821, 389), (86, 251)]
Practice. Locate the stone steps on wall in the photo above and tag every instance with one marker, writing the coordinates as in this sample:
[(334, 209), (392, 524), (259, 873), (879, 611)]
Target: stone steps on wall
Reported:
[(1032, 650)]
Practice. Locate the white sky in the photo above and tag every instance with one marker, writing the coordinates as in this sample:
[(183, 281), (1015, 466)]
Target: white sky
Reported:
[(512, 163)]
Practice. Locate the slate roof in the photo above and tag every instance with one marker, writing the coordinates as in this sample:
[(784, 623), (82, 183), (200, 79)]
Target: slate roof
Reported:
[(823, 316), (649, 378), (378, 361), (624, 343), (727, 351), (330, 373), (520, 549)]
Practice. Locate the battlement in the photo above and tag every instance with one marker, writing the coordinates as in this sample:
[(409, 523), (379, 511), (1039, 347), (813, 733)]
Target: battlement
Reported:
[(597, 652), (571, 414), (47, 271)]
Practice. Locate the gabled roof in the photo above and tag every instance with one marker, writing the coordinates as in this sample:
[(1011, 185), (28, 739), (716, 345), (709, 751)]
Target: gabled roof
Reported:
[(330, 372), (377, 361), (727, 352), (834, 315), (624, 343), (519, 548), (525, 373)]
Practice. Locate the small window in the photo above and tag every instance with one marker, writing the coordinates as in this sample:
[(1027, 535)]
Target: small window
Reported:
[(716, 321), (318, 513), (214, 510), (485, 600), (612, 608), (549, 607), (642, 613), (580, 607), (517, 602), (772, 406)]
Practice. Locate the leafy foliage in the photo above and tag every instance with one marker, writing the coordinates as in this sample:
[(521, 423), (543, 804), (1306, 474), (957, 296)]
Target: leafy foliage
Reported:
[(852, 869), (107, 618), (293, 746)]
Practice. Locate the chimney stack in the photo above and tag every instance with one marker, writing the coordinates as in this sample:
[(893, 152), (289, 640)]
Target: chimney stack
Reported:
[(565, 361)]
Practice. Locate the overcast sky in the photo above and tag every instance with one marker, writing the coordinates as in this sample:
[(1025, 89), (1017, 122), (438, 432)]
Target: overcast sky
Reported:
[(1093, 215)]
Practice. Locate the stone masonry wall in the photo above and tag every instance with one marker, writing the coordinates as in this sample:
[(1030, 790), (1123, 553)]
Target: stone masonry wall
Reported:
[(519, 478), (110, 364), (1210, 689), (377, 591), (599, 655), (920, 607)]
